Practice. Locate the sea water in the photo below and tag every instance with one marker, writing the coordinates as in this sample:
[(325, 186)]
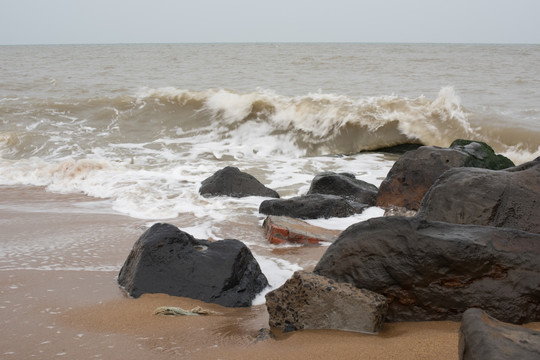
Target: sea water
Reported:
[(140, 126)]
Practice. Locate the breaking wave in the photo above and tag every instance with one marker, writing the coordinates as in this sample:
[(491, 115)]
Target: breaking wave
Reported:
[(224, 123), (323, 123), (148, 150)]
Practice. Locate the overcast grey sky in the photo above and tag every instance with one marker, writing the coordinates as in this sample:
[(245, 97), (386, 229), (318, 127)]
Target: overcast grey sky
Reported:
[(172, 21)]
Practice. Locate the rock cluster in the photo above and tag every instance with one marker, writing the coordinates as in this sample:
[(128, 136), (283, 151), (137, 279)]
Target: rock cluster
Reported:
[(471, 239), (473, 243), (330, 195), (416, 171)]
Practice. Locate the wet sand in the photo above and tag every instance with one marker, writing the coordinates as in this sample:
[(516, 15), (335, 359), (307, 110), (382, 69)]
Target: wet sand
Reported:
[(59, 299), (83, 315)]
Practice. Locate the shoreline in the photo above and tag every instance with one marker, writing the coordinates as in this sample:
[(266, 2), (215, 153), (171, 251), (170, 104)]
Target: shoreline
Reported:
[(50, 308)]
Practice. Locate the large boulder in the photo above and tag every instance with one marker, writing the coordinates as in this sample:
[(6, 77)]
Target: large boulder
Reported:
[(312, 206), (167, 260), (486, 197), (436, 271), (230, 181), (416, 171), (413, 174), (310, 301), (483, 337), (345, 185)]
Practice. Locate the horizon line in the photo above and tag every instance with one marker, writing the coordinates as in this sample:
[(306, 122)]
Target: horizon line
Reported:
[(269, 43)]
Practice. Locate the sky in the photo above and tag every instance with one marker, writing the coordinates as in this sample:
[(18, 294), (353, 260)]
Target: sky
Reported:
[(182, 21)]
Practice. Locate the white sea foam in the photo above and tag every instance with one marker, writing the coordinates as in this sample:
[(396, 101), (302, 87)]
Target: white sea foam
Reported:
[(160, 186), (343, 223), (148, 153), (519, 155), (277, 271)]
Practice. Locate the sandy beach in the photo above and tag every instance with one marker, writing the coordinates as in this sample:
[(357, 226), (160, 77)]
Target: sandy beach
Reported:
[(138, 126), (62, 301)]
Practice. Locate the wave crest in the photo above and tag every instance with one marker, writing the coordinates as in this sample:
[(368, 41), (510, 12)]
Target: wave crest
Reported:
[(327, 123), (225, 123)]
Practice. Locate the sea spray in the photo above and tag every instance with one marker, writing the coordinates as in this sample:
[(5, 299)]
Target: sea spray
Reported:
[(324, 123), (141, 126), (229, 124)]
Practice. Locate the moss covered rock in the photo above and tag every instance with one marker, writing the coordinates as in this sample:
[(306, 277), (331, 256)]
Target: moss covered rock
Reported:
[(481, 155)]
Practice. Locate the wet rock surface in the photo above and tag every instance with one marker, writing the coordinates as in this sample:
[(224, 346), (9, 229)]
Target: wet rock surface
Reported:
[(167, 260), (310, 301), (416, 171), (486, 197), (481, 155), (312, 206), (436, 270), (282, 229), (345, 185), (413, 174), (230, 181), (484, 337)]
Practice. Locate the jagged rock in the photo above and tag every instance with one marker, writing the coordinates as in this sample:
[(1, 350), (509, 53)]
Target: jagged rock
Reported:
[(436, 271), (167, 260), (416, 171), (230, 181), (312, 206), (310, 301), (398, 211), (264, 334), (345, 185), (484, 337), (486, 197), (282, 229)]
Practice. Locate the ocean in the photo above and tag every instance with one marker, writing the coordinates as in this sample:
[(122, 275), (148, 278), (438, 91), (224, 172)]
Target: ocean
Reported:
[(137, 128)]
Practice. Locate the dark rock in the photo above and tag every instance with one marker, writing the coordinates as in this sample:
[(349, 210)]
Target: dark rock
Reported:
[(310, 301), (413, 174), (167, 260), (436, 271), (416, 171), (345, 185), (312, 206), (230, 181), (282, 229), (399, 149), (486, 197), (483, 337), (264, 334), (481, 155), (289, 328)]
